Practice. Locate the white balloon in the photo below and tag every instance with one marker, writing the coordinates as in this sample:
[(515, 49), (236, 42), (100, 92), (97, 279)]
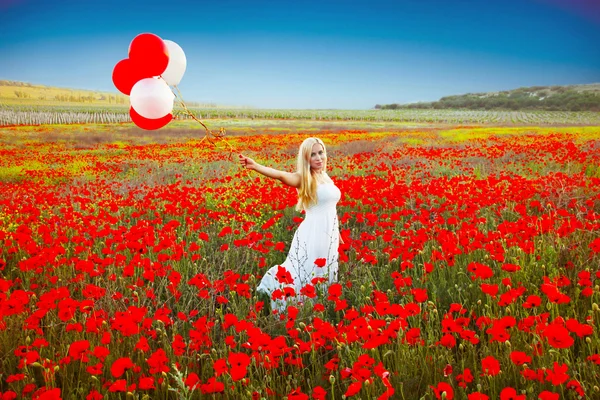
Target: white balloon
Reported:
[(151, 98), (177, 63)]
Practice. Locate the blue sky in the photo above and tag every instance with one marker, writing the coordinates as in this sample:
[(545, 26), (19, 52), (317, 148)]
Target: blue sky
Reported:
[(342, 54)]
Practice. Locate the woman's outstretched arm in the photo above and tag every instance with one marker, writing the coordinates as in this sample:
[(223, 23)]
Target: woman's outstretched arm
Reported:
[(289, 178)]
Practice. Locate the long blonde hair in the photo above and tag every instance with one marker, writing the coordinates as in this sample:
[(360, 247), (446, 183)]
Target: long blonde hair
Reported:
[(307, 192)]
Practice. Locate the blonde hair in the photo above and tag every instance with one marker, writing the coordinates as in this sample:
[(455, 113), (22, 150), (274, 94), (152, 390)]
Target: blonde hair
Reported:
[(307, 192)]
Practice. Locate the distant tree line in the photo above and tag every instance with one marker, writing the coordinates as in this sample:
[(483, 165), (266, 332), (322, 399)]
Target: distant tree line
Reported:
[(534, 98)]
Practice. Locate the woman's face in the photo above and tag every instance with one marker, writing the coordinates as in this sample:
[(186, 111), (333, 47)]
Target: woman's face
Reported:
[(318, 159)]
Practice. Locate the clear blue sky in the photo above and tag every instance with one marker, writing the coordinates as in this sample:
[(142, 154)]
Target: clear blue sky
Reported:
[(343, 54)]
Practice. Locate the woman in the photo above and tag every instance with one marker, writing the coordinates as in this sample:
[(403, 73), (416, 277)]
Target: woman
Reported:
[(313, 255)]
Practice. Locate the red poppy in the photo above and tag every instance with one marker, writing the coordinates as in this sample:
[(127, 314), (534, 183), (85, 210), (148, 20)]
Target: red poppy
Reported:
[(558, 336), (78, 350), (158, 362), (546, 395), (353, 389), (532, 301), (442, 388), (320, 262), (477, 396), (420, 295), (309, 291), (146, 383), (510, 393), (490, 366), (212, 386), (557, 375), (118, 386), (120, 365), (239, 363), (465, 378), (318, 393), (297, 394), (220, 366), (510, 267), (519, 358), (283, 276)]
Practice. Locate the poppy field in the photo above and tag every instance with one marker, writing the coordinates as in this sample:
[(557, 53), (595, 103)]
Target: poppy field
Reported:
[(470, 266)]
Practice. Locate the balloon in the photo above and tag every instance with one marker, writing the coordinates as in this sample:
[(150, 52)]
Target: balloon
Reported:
[(177, 63), (124, 76), (149, 54), (149, 124), (151, 98)]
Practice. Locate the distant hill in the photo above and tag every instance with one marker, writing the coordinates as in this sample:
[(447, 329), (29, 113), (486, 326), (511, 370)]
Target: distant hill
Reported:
[(15, 92), (554, 98), (12, 92)]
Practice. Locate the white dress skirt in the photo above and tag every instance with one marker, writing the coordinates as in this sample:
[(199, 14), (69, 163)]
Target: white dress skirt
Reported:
[(317, 237)]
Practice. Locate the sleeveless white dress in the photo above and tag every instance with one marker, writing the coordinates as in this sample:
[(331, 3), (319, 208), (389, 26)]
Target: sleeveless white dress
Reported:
[(317, 237)]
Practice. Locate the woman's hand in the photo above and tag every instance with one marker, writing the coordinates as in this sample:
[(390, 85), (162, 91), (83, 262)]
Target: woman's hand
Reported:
[(247, 162)]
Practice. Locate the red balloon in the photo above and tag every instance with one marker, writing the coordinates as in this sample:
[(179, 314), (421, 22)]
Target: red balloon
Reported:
[(149, 54), (124, 76), (147, 123)]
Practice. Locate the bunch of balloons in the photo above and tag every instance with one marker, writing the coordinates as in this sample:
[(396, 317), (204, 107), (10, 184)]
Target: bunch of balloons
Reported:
[(153, 65)]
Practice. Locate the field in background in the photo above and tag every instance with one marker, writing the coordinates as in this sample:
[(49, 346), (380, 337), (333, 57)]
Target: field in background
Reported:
[(79, 114), (129, 262)]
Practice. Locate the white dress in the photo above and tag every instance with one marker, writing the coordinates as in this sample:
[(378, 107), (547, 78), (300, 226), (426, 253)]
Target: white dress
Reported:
[(317, 237)]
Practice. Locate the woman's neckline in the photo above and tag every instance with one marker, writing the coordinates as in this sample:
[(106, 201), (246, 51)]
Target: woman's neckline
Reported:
[(326, 181)]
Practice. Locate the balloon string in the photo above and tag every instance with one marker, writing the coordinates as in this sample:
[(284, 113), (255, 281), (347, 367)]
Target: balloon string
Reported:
[(211, 136)]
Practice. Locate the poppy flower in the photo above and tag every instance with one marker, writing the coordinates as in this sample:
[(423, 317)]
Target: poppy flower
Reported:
[(284, 276), (441, 389), (239, 363), (509, 393), (320, 262), (318, 393), (297, 394), (146, 383), (519, 358), (78, 349), (119, 385), (546, 395), (212, 386), (557, 375), (490, 366), (120, 365), (558, 337), (353, 389), (477, 396)]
